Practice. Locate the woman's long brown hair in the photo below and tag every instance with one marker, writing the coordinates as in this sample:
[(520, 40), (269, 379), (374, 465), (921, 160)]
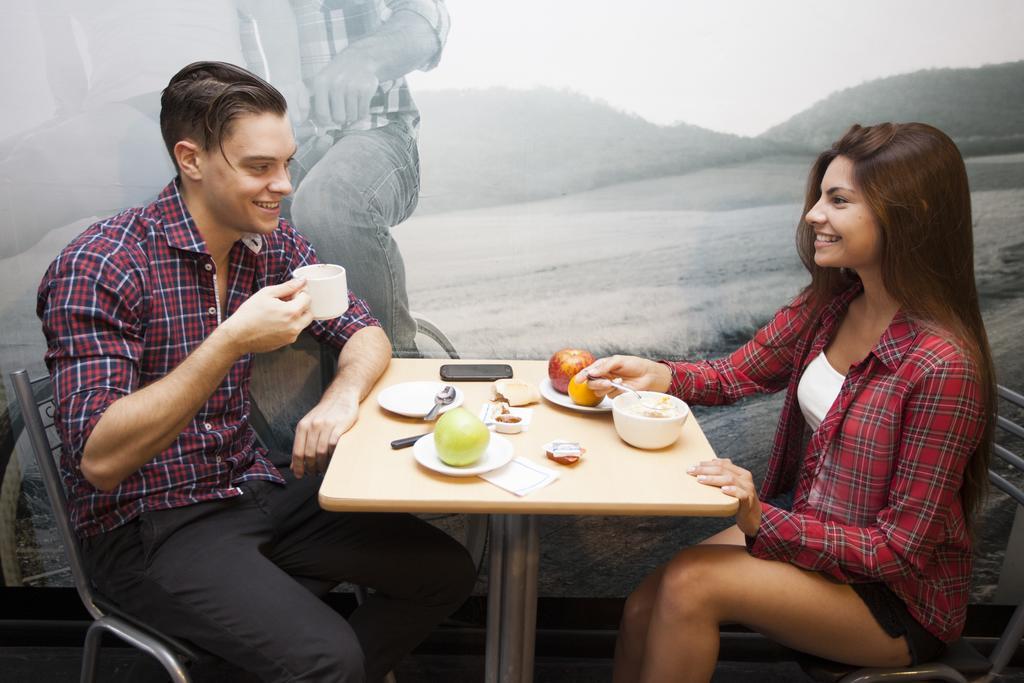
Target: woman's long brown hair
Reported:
[(914, 181)]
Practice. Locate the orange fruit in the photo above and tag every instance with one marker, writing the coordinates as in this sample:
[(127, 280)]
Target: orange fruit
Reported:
[(581, 394)]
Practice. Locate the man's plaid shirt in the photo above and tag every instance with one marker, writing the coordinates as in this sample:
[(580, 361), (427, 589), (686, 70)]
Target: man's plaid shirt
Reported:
[(876, 488), (122, 306)]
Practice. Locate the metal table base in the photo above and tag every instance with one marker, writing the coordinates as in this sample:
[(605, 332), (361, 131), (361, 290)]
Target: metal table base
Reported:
[(512, 599)]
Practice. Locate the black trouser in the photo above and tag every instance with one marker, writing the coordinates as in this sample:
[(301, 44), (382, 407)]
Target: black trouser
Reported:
[(240, 579)]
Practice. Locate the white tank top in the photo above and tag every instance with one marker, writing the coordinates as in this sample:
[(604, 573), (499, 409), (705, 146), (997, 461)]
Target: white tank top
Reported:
[(818, 389)]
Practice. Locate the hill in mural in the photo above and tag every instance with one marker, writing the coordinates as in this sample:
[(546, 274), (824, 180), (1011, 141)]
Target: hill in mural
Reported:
[(982, 109), (499, 146)]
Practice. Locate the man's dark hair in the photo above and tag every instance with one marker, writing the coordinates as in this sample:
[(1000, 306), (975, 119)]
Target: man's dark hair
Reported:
[(202, 100)]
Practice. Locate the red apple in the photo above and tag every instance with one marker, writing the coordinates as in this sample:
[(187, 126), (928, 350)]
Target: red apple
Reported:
[(566, 363)]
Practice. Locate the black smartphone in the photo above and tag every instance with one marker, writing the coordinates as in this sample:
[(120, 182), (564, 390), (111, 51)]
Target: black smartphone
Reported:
[(479, 372)]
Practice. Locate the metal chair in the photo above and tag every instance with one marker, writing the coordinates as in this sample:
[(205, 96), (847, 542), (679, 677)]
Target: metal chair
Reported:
[(961, 663), (35, 398), (433, 332)]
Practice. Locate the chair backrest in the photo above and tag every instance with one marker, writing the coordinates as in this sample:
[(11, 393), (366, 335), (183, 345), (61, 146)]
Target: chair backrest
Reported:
[(35, 399), (999, 474), (1008, 426)]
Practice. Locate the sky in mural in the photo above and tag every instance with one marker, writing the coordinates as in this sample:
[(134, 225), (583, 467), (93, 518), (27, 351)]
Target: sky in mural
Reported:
[(737, 66)]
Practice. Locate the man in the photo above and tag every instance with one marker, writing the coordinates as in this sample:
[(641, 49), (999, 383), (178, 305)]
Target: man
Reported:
[(343, 64), (152, 318)]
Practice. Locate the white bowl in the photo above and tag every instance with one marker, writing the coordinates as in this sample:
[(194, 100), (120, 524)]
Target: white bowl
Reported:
[(647, 432)]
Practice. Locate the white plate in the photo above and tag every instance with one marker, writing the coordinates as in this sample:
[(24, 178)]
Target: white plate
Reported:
[(498, 454), (415, 399), (558, 398)]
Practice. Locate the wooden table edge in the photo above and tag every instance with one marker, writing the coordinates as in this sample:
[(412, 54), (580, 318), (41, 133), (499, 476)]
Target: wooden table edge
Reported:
[(524, 506)]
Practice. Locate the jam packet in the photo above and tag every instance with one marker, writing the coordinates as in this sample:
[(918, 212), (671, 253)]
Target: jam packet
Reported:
[(564, 452)]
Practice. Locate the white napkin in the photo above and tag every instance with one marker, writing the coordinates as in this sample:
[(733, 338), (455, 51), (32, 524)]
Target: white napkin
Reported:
[(521, 476)]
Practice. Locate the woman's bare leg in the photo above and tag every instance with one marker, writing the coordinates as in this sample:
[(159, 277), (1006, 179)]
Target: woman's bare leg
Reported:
[(730, 536), (632, 638), (707, 585), (636, 615)]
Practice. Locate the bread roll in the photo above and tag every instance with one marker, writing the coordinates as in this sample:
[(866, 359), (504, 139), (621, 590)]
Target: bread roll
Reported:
[(515, 392)]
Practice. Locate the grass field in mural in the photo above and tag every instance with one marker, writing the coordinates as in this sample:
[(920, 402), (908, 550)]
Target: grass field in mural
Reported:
[(672, 266), (659, 266)]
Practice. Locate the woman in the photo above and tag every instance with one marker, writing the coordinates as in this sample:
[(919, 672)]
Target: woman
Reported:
[(858, 548)]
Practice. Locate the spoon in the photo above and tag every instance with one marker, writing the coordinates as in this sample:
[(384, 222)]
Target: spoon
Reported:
[(617, 383), (443, 398)]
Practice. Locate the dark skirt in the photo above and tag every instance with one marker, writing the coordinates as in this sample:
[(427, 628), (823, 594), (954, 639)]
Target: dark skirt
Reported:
[(893, 616)]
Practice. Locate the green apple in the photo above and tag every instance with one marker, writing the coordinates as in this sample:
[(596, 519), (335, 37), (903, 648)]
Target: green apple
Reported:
[(460, 438)]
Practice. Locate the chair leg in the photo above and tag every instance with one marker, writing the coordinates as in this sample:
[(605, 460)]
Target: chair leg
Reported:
[(1009, 641), (928, 672), (137, 638), (91, 653), (172, 666)]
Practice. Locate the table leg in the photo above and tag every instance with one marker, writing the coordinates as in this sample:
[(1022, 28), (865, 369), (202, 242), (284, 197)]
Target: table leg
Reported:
[(512, 599), (532, 562), (495, 586)]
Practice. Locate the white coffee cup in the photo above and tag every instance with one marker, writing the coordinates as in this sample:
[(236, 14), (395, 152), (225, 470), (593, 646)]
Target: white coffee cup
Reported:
[(327, 287)]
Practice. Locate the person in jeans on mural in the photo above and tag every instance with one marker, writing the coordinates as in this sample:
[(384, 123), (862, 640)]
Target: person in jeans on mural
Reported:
[(152, 318), (858, 546), (341, 65)]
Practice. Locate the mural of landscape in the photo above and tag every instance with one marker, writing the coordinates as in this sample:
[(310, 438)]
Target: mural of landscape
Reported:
[(676, 242), (551, 219)]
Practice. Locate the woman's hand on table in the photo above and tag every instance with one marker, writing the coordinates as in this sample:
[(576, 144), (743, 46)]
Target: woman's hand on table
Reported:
[(736, 482), (638, 373)]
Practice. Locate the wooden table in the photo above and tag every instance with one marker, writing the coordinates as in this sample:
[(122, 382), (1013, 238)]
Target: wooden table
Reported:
[(612, 479)]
